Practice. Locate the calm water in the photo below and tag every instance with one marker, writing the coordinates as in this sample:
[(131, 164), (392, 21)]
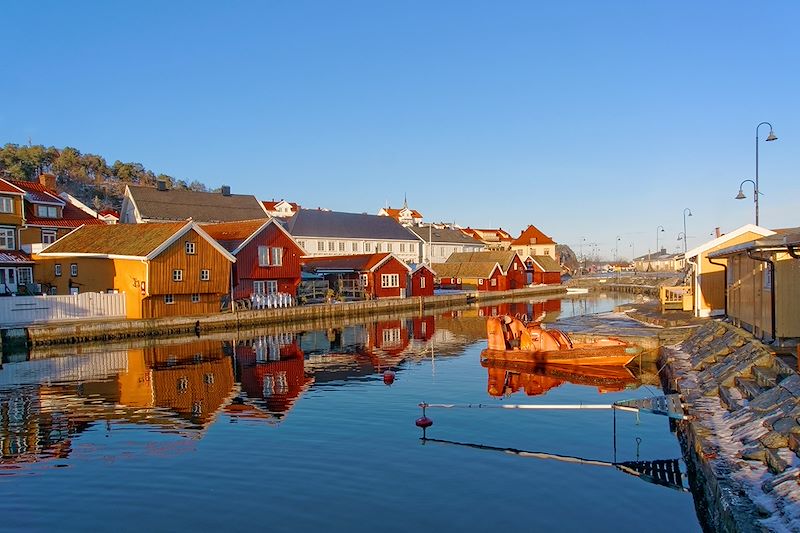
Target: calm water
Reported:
[(298, 431)]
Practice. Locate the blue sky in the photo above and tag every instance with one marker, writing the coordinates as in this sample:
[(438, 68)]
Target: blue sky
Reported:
[(591, 120)]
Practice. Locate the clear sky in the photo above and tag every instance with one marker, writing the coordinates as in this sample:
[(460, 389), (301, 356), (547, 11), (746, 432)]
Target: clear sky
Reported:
[(592, 120)]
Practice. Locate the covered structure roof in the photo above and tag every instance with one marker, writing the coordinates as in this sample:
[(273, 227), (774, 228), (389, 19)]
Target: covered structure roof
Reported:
[(334, 224), (183, 204), (347, 263), (532, 235), (504, 258), (545, 263), (475, 270), (430, 233)]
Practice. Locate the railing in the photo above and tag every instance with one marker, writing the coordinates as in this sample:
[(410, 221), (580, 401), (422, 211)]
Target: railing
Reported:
[(676, 298), (25, 310), (270, 301)]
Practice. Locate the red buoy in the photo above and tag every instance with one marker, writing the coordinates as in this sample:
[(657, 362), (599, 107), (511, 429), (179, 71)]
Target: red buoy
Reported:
[(424, 422), (388, 377)]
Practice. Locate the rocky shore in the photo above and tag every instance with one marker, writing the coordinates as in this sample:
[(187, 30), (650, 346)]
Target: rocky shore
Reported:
[(743, 437)]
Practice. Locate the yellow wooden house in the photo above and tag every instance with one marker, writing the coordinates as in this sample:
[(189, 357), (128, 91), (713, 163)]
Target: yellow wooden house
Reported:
[(708, 275), (763, 285), (168, 269)]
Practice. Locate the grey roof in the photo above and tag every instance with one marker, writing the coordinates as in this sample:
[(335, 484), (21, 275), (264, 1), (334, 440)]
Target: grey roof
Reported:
[(444, 235), (182, 204), (333, 224)]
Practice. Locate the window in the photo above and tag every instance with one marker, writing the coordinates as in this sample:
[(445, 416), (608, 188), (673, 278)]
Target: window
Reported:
[(189, 248), (177, 275), (341, 246), (302, 244), (46, 211), (494, 283), (24, 275), (6, 204), (320, 246), (48, 236), (331, 246), (402, 247), (389, 247), (367, 246), (389, 281), (205, 275), (259, 287), (272, 286), (57, 269), (422, 282), (355, 246), (8, 239), (377, 247), (263, 256), (277, 256), (364, 280), (547, 251), (480, 281), (195, 298), (169, 299), (73, 269), (515, 266)]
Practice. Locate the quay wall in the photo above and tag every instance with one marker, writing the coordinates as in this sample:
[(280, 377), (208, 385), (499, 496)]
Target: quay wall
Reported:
[(85, 331), (742, 440)]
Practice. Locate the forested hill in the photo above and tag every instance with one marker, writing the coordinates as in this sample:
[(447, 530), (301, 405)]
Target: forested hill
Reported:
[(88, 177)]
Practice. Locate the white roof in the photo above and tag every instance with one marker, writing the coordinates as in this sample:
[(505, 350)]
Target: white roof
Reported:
[(747, 228)]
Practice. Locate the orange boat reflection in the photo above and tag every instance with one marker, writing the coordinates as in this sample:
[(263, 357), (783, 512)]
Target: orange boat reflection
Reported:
[(506, 378)]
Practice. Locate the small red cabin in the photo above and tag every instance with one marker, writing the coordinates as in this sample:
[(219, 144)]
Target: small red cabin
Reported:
[(421, 282), (382, 275)]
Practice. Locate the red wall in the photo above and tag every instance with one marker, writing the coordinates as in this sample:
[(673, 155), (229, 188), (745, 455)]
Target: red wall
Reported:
[(247, 269), (392, 266), (516, 278), (548, 278), (427, 275)]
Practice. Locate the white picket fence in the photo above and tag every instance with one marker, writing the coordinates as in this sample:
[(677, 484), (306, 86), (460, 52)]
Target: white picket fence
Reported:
[(26, 310)]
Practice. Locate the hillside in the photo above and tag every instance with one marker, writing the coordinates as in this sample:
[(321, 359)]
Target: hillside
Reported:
[(88, 177)]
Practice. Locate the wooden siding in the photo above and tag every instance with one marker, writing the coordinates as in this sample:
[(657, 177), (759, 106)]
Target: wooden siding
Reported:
[(156, 307), (15, 218), (175, 258), (787, 295), (422, 274), (392, 266), (248, 270)]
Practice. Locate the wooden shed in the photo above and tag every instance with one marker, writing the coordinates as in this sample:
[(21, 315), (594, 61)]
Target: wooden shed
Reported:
[(421, 280)]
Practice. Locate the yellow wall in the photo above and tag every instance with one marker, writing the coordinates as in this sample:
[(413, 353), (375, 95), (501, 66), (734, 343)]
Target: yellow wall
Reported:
[(711, 296), (33, 235), (136, 383), (787, 295), (15, 218)]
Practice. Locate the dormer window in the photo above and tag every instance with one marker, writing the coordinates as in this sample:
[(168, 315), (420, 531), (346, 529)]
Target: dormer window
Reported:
[(46, 211), (6, 204)]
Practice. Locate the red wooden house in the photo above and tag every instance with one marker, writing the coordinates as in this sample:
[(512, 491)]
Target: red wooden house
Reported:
[(267, 257), (545, 269), (421, 282), (482, 276), (512, 269), (382, 275)]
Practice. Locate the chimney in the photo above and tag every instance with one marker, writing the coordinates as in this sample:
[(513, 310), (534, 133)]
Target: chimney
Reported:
[(162, 185), (717, 233), (48, 180), (226, 190)]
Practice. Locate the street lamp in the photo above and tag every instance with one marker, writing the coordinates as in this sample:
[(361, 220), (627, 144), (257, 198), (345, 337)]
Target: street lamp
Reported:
[(770, 137), (616, 248), (742, 195), (685, 211), (661, 229)]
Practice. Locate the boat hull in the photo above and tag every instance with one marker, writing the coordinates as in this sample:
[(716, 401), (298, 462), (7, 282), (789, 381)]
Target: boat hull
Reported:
[(595, 354)]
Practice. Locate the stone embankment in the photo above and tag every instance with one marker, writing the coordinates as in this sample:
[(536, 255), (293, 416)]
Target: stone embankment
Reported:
[(743, 438), (85, 331)]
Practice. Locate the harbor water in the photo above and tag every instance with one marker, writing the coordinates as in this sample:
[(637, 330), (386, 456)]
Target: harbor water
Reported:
[(315, 430)]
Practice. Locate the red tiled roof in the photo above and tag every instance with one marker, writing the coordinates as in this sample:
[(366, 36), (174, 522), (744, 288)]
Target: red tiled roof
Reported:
[(359, 263), (9, 188), (395, 213), (532, 235), (36, 192), (270, 205), (481, 234), (231, 234), (109, 212)]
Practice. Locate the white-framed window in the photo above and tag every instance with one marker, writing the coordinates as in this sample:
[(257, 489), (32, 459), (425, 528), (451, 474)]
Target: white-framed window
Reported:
[(341, 246), (6, 204), (49, 236), (388, 247), (494, 282), (169, 299), (46, 211), (480, 281), (355, 246), (272, 286), (73, 269), (364, 280), (458, 281), (377, 247), (276, 256), (391, 337), (515, 266), (547, 251), (177, 275), (422, 282), (259, 287), (190, 248), (302, 244), (205, 275), (8, 239), (57, 269), (402, 247), (263, 256), (320, 246), (367, 246), (389, 281), (195, 298), (24, 275), (331, 246)]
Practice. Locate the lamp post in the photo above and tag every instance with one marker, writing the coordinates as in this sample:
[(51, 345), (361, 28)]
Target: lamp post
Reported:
[(661, 229), (742, 195), (685, 211), (770, 137)]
